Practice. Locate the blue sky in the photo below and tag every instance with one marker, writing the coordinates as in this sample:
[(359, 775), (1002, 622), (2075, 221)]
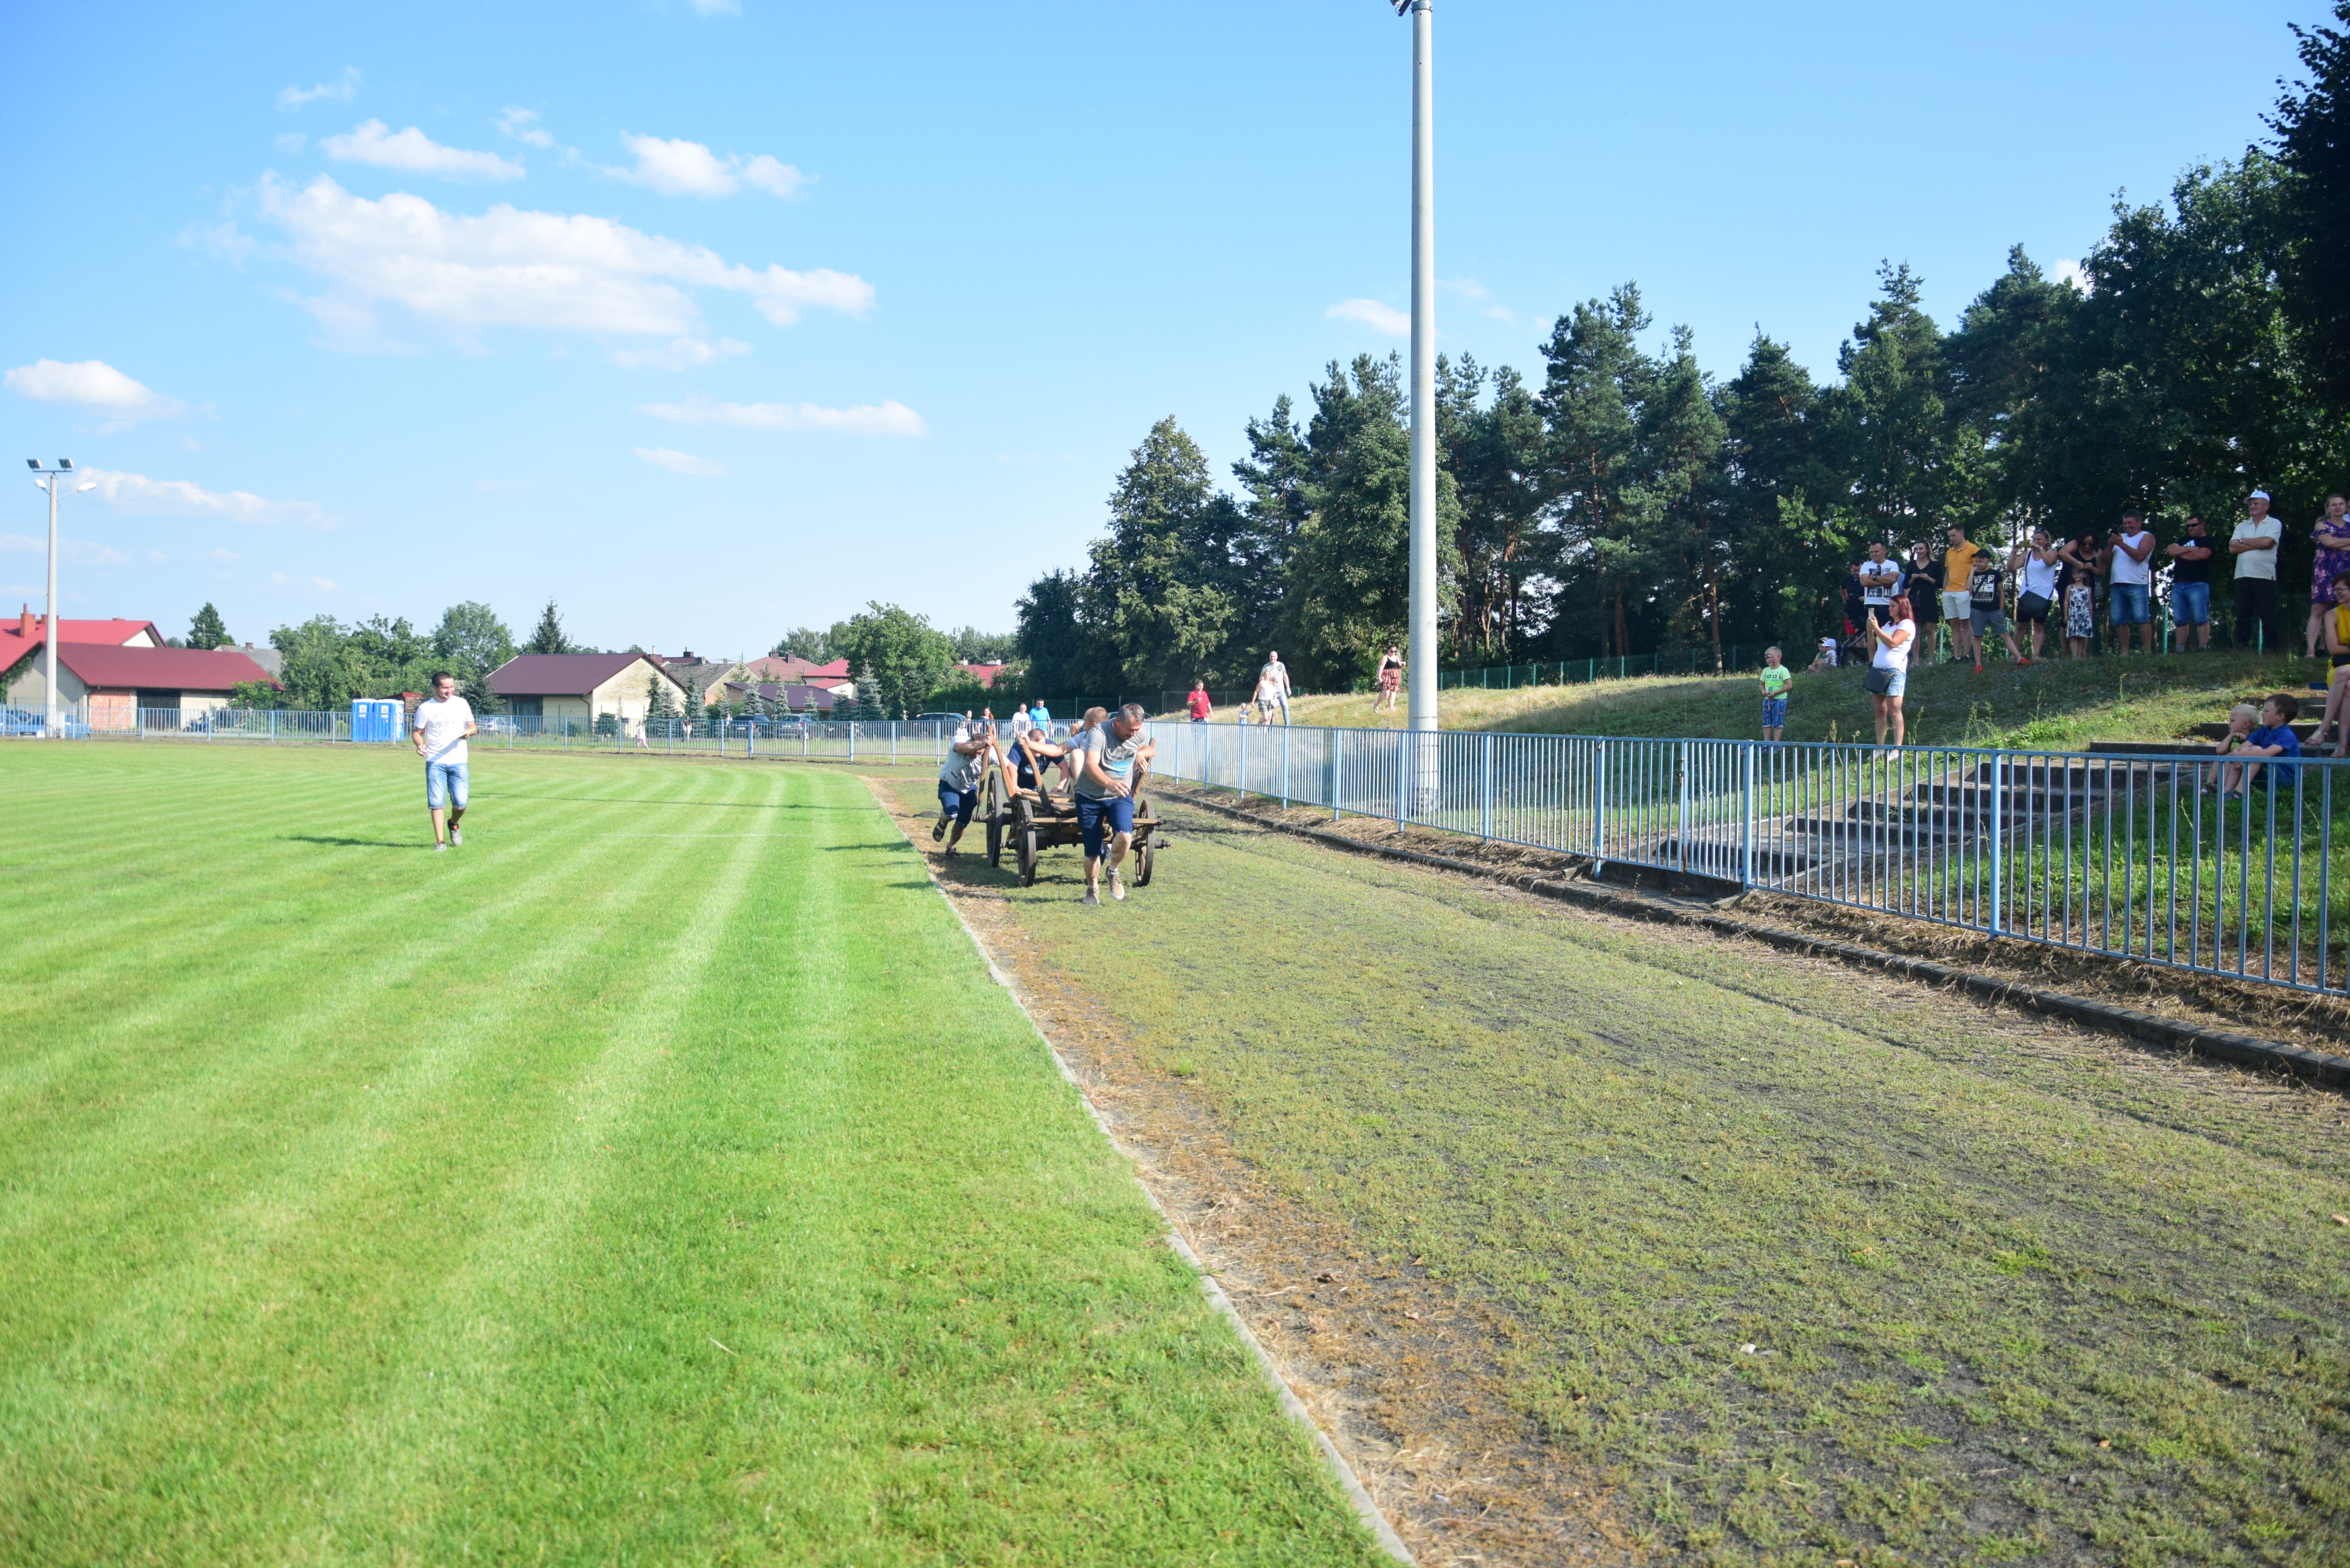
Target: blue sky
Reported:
[(709, 319)]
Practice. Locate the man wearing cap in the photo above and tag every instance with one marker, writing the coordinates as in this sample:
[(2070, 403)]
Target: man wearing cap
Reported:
[(2254, 546)]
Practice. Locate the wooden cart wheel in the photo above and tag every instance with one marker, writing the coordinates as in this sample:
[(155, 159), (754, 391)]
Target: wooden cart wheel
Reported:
[(995, 817), (1147, 856), (1028, 856)]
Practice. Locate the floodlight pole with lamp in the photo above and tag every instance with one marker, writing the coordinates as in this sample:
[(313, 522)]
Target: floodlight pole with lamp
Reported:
[(1421, 712), (48, 479)]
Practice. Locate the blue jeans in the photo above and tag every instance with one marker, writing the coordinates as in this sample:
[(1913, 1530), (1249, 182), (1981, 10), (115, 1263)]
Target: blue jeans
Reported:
[(445, 785), (1097, 819), (2190, 604), (958, 803), (2130, 605)]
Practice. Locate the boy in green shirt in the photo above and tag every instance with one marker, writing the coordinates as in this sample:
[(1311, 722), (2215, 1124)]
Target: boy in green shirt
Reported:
[(1776, 678)]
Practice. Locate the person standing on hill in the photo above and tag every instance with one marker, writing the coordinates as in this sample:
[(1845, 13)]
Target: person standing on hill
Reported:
[(2133, 591), (1923, 585), (1880, 579), (1957, 596), (1390, 678), (1272, 688), (1200, 703), (1987, 598), (2037, 564), (2081, 560), (1775, 679), (2333, 531), (2254, 544), (1888, 672), (2190, 584), (443, 724)]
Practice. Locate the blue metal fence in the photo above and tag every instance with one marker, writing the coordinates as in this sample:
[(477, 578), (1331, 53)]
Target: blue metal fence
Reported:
[(2141, 857)]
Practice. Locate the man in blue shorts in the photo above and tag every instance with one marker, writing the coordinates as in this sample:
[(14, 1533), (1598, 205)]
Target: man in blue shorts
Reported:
[(443, 724), (1116, 758), (959, 778)]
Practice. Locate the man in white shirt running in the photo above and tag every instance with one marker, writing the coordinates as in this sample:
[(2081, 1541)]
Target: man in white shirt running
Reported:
[(444, 724)]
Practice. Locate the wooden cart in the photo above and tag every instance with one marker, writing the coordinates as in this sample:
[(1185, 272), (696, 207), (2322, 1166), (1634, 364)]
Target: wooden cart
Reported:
[(1029, 825)]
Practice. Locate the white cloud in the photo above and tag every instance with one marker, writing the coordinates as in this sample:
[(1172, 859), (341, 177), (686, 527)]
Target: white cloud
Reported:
[(683, 353), (220, 239), (290, 140), (681, 168), (1373, 315), (93, 383), (1477, 294), (178, 497), (718, 8), (417, 153), (682, 461), (521, 124), (774, 177), (74, 552), (555, 271), (343, 89), (2070, 272), (889, 418)]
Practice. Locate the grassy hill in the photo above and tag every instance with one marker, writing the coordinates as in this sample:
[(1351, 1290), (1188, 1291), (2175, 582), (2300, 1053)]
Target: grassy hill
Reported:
[(2054, 706)]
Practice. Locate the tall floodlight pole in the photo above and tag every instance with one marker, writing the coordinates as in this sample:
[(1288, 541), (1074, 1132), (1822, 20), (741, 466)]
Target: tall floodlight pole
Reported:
[(50, 478), (1422, 711)]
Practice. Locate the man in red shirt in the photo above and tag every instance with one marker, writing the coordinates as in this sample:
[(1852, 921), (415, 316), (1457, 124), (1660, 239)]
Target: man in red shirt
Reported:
[(1199, 703)]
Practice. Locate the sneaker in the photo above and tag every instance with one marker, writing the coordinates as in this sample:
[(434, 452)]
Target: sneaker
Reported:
[(439, 848), (456, 837), (2022, 663), (1092, 896), (953, 850), (1117, 887), (938, 830)]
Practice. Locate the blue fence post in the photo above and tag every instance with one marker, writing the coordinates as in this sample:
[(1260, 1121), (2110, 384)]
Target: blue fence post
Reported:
[(1746, 820), (852, 739), (1599, 801), (1402, 784), (1240, 775), (1337, 773), (1998, 838), (1284, 767), (893, 742), (1681, 806), (1485, 786)]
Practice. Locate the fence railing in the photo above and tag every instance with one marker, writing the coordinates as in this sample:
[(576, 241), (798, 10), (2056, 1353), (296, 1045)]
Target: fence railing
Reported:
[(2135, 857)]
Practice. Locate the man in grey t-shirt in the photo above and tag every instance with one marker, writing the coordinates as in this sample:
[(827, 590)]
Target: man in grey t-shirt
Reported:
[(1116, 758), (959, 778)]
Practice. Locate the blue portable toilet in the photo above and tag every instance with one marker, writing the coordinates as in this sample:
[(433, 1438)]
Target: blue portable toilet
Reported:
[(375, 718)]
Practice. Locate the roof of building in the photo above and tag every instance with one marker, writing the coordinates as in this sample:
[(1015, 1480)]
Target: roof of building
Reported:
[(187, 669), (559, 674), (21, 636)]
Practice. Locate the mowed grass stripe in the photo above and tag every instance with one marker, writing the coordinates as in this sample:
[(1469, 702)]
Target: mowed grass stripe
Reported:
[(330, 1165), (406, 1305), (152, 1060)]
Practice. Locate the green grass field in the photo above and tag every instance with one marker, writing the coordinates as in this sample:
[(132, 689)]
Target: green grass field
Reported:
[(2060, 705), (1815, 1265), (659, 1179)]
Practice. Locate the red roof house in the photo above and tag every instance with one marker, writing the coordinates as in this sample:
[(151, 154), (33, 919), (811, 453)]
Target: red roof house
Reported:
[(117, 681), (21, 673)]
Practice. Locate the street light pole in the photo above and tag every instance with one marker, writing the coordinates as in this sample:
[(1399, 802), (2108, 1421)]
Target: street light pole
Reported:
[(1421, 712), (50, 478)]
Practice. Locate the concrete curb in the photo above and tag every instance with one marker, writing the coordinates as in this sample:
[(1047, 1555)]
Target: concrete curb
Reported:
[(2219, 1044), (1291, 1405)]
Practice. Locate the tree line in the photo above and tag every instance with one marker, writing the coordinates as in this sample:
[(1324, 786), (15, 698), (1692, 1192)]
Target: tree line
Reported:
[(1622, 500)]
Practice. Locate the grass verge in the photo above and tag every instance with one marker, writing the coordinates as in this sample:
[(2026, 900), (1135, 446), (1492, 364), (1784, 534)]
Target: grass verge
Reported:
[(658, 1179), (1816, 1265), (2052, 706)]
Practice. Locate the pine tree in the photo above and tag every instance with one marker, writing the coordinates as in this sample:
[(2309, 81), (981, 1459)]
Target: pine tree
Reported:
[(548, 636), (207, 630)]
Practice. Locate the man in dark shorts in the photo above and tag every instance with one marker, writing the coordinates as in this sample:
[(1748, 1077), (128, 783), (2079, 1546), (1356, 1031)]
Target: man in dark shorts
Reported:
[(1116, 758), (959, 778)]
